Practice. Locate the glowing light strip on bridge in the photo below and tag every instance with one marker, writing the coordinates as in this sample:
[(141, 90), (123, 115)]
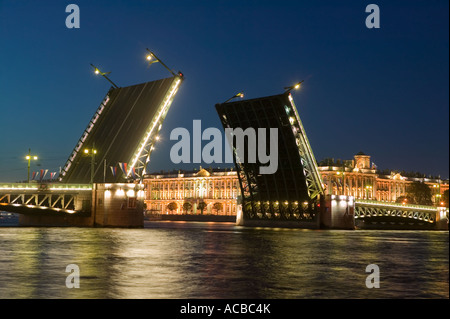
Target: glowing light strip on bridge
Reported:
[(69, 211), (308, 156), (394, 205), (163, 110), (85, 135), (19, 188), (54, 188), (70, 188)]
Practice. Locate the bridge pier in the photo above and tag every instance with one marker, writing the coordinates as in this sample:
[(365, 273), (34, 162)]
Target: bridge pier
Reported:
[(118, 205), (337, 212), (107, 205), (441, 219)]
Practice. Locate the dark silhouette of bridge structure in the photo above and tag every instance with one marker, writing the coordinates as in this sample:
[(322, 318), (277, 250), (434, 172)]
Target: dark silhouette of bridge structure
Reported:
[(114, 150), (124, 129), (295, 196)]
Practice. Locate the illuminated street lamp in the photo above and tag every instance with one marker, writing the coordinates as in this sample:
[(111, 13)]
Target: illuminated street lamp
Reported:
[(152, 58), (91, 152), (295, 86), (97, 71), (240, 94), (30, 157)]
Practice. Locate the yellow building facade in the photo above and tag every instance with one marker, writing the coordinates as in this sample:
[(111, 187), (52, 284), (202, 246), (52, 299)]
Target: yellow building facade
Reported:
[(358, 178), (217, 190)]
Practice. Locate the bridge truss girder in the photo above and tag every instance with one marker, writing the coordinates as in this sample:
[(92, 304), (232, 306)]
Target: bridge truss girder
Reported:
[(386, 213), (40, 200), (310, 170), (58, 199), (141, 156)]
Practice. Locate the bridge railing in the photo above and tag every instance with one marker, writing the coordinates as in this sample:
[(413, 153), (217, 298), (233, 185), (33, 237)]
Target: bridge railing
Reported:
[(395, 205), (8, 187)]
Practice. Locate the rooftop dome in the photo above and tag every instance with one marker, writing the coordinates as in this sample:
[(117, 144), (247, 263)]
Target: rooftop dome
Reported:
[(203, 173)]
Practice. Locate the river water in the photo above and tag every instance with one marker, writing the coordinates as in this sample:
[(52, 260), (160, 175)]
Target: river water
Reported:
[(173, 260)]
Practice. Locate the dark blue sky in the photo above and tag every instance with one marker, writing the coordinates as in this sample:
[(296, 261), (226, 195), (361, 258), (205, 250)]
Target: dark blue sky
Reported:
[(381, 91)]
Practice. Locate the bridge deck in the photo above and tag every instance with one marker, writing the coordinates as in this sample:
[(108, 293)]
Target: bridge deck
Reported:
[(45, 198), (121, 131)]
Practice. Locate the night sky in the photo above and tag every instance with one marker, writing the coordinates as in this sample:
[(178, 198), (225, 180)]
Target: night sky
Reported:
[(381, 91)]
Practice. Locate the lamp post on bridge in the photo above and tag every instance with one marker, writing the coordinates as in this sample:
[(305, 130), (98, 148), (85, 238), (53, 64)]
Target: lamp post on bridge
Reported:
[(97, 71), (29, 157), (152, 58), (91, 152), (295, 86), (240, 94)]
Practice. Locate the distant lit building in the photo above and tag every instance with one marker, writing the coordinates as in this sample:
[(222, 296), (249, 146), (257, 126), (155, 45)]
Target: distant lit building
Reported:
[(359, 178), (219, 189)]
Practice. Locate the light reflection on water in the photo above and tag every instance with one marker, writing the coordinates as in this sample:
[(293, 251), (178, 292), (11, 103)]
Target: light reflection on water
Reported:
[(220, 260)]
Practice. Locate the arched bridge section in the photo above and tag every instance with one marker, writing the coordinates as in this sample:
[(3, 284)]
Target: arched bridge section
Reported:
[(37, 199), (383, 215)]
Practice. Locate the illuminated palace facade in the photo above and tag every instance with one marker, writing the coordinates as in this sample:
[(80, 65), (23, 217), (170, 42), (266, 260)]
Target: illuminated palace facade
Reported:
[(218, 189), (358, 178)]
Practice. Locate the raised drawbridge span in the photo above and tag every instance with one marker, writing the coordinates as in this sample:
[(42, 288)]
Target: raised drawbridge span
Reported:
[(294, 194), (114, 149)]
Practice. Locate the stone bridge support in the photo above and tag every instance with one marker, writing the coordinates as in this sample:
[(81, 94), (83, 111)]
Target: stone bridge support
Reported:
[(97, 205), (442, 218), (337, 212), (118, 205)]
